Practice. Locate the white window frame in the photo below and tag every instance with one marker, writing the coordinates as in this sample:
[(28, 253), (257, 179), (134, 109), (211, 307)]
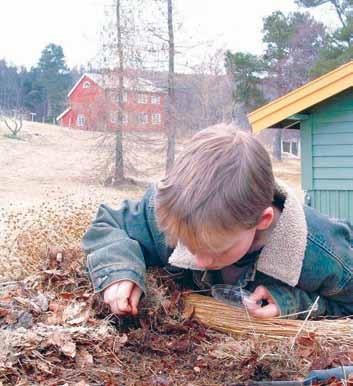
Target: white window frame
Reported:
[(86, 84), (156, 118), (124, 97), (114, 115), (142, 99), (291, 143), (155, 100), (142, 121), (81, 120)]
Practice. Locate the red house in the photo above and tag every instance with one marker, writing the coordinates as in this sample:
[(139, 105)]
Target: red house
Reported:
[(93, 104)]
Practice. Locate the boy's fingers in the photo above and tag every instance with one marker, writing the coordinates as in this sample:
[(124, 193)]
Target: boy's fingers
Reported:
[(117, 296), (111, 292), (135, 298), (269, 311), (260, 293), (123, 295), (116, 310)]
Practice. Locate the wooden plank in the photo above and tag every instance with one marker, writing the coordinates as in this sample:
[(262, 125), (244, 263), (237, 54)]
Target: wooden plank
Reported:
[(333, 173), (332, 116), (315, 200), (299, 117), (333, 139), (334, 203), (331, 184), (297, 101), (334, 127), (343, 198), (306, 152), (333, 162), (338, 150)]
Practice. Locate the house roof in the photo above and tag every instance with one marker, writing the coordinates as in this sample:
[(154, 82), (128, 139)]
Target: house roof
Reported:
[(110, 81), (302, 98), (63, 114)]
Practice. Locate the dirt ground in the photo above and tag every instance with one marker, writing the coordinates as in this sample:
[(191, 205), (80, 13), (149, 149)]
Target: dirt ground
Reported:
[(49, 162)]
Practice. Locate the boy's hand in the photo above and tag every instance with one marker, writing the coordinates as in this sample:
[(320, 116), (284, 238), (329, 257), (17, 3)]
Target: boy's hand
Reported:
[(270, 310), (123, 297)]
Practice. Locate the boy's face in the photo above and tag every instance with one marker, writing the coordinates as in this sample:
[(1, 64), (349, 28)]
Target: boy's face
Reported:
[(234, 249), (233, 246)]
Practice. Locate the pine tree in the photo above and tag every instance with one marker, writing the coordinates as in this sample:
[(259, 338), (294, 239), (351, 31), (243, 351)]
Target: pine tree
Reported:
[(339, 47), (55, 78)]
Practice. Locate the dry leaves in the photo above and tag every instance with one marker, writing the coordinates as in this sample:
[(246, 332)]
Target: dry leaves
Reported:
[(55, 331)]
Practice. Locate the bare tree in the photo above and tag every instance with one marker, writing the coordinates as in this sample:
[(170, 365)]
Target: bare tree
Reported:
[(171, 129), (119, 49), (161, 49), (13, 124), (119, 159), (211, 92)]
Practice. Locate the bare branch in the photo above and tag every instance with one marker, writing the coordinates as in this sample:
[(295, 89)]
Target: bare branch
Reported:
[(13, 124)]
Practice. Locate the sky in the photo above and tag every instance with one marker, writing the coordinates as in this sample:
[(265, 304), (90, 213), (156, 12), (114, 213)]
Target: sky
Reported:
[(26, 27)]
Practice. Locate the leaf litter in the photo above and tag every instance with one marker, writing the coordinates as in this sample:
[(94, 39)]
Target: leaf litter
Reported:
[(55, 331)]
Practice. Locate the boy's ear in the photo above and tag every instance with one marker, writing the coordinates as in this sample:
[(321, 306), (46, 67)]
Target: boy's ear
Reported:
[(266, 219)]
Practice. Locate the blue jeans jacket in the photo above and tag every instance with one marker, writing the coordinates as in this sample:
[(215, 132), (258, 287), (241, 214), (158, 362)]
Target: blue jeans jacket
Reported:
[(121, 243)]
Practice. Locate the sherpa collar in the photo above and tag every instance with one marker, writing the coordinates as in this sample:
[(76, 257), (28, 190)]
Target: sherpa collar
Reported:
[(282, 258)]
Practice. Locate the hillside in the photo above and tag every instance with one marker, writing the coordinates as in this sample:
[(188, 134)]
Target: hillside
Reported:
[(53, 182), (51, 161)]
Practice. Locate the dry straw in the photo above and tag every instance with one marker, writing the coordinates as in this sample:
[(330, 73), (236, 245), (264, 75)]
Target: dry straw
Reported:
[(26, 234), (236, 321)]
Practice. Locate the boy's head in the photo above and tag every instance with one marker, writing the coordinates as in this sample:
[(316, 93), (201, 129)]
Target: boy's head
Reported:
[(218, 194)]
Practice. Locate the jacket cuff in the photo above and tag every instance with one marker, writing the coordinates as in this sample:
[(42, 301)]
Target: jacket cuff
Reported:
[(104, 277)]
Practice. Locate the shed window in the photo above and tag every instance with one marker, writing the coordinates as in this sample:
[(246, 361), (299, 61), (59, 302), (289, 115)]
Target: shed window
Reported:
[(291, 147), (142, 99), (81, 120), (86, 84), (286, 147)]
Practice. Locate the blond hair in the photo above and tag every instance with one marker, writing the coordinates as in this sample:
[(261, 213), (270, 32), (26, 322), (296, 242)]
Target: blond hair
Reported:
[(222, 181)]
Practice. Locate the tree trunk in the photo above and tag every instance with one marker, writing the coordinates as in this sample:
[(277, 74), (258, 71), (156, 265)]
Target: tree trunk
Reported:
[(49, 109), (119, 159), (171, 129), (277, 148), (339, 12)]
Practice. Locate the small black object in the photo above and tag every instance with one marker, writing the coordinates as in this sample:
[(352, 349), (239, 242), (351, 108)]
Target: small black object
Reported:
[(339, 373)]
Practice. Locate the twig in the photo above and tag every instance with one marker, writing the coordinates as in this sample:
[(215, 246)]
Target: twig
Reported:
[(247, 313), (312, 308)]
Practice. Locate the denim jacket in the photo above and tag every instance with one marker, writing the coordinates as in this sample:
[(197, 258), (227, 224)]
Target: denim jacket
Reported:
[(308, 255)]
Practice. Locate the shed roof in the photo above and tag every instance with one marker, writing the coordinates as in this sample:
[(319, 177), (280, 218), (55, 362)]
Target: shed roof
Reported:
[(110, 81), (302, 98), (63, 114)]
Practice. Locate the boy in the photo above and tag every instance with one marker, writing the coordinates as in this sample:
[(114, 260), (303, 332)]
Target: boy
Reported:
[(220, 213)]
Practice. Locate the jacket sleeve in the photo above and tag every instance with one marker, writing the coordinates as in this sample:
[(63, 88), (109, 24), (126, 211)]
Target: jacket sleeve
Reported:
[(119, 244), (292, 300)]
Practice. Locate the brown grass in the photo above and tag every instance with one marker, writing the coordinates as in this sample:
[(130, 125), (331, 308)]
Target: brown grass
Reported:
[(237, 321)]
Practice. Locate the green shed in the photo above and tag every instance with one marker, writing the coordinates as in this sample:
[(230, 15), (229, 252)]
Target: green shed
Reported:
[(323, 111)]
